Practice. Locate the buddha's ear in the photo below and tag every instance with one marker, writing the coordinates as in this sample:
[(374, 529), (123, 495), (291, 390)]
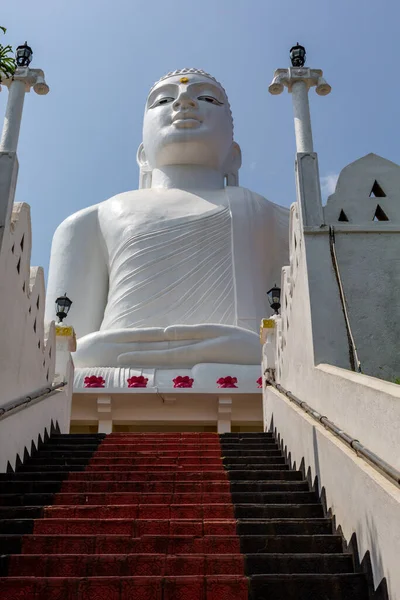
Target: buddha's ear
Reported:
[(144, 168), (233, 164)]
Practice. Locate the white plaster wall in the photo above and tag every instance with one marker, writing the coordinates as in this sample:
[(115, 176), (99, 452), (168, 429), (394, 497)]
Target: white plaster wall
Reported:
[(369, 265), (26, 358), (362, 501), (22, 427), (368, 254), (311, 332)]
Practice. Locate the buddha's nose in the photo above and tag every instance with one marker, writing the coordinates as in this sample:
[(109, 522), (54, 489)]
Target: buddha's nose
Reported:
[(184, 102)]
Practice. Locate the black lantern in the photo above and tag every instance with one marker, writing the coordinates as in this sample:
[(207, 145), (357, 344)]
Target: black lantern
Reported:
[(298, 55), (274, 297), (63, 305), (23, 55)]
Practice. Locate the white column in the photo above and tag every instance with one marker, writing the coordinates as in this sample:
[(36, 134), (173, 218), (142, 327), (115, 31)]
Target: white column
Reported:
[(104, 412), (12, 120), (65, 344), (302, 117), (224, 414)]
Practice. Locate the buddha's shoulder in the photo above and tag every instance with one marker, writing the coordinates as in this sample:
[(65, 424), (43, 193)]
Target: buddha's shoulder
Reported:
[(91, 213), (242, 193)]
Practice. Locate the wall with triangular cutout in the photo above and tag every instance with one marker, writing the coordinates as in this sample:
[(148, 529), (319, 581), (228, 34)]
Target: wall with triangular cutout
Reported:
[(359, 186), (377, 191), (380, 214)]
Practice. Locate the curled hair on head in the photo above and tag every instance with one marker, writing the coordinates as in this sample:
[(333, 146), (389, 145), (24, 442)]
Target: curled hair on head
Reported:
[(194, 71)]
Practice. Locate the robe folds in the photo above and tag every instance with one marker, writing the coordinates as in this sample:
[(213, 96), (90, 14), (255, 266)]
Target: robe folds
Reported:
[(210, 268)]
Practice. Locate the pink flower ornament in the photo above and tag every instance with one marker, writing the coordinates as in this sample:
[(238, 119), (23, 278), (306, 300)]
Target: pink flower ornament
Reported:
[(137, 381), (259, 382), (183, 381), (227, 382), (94, 382)]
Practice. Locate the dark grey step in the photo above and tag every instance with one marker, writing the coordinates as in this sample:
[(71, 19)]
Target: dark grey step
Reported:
[(58, 473), (45, 462), (16, 526), (238, 477), (309, 587), (69, 446), (303, 544), (4, 563), (260, 475), (260, 498), (291, 511), (250, 454), (78, 436), (280, 523), (30, 487), (255, 510), (298, 563), (270, 485), (21, 512), (26, 499), (10, 544), (260, 464), (86, 454), (248, 445), (49, 468), (251, 436)]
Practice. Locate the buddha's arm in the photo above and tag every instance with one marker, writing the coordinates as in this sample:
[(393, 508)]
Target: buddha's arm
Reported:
[(78, 268)]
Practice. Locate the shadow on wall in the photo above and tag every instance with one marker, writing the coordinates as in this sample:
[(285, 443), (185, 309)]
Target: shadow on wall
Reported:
[(365, 565), (54, 428)]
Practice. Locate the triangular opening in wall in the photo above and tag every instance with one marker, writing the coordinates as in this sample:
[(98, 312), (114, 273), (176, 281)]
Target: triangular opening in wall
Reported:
[(377, 191), (343, 216), (380, 215)]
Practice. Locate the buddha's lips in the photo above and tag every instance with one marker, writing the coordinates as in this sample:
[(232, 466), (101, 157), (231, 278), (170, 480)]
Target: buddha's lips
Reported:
[(185, 117)]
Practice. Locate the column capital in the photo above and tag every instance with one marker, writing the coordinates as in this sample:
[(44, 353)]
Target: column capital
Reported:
[(288, 77), (30, 78)]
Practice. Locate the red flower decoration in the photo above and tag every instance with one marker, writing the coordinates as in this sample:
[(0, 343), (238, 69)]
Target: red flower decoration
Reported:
[(94, 382), (183, 381), (227, 382), (259, 382), (137, 381)]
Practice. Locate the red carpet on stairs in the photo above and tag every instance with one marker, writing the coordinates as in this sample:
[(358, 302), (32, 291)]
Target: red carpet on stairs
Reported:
[(150, 518)]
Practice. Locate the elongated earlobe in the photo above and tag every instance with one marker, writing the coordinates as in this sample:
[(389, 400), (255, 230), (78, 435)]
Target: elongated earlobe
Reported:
[(144, 168), (232, 165)]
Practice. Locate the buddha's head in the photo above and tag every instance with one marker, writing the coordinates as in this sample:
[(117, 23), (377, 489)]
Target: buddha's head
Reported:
[(188, 121)]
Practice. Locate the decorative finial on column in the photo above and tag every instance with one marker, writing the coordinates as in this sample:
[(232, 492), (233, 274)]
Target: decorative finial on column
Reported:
[(299, 79), (21, 82)]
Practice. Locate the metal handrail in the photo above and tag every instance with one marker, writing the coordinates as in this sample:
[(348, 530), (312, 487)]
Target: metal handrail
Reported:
[(354, 360), (391, 472), (23, 401)]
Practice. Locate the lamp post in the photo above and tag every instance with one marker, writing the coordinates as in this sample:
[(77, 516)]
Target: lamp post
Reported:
[(63, 304), (274, 298), (23, 79), (299, 79)]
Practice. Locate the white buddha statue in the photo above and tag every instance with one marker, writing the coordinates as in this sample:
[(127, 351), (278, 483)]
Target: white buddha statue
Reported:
[(176, 273)]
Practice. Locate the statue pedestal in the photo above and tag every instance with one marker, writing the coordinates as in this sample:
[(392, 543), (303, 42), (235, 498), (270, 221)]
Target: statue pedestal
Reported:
[(205, 376), (160, 405)]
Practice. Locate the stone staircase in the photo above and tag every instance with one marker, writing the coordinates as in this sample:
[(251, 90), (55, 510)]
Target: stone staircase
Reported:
[(191, 516)]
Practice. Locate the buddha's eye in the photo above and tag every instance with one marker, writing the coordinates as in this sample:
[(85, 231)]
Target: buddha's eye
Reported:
[(163, 101), (210, 99)]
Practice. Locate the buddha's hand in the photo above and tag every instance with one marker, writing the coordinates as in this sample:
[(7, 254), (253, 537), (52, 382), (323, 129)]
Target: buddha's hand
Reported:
[(187, 345), (177, 345)]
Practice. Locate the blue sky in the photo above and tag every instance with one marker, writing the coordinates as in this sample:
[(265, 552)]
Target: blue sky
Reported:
[(78, 144)]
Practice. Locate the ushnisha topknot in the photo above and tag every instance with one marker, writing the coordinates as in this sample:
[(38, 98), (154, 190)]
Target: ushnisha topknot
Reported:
[(194, 71)]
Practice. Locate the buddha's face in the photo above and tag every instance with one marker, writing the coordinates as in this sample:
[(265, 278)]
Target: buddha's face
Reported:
[(187, 121)]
